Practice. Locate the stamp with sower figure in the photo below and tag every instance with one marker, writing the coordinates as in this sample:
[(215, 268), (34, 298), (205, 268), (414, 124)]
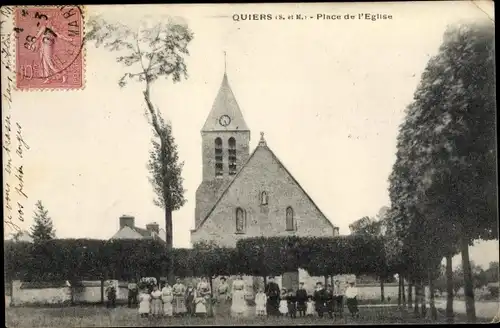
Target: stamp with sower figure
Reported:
[(49, 43)]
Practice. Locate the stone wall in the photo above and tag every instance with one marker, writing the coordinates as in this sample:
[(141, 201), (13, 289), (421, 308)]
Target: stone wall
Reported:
[(262, 173), (35, 296)]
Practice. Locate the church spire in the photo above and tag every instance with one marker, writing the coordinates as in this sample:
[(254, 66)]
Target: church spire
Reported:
[(225, 114)]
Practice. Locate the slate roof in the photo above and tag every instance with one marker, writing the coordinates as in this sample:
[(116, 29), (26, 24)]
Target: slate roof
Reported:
[(225, 104)]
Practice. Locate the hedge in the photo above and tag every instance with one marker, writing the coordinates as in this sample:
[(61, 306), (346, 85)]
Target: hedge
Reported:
[(90, 259)]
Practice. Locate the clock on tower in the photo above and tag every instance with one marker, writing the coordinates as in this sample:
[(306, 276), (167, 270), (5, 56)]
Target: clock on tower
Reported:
[(224, 120)]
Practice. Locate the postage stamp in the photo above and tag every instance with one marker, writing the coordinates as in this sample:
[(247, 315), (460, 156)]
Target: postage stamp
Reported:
[(49, 44)]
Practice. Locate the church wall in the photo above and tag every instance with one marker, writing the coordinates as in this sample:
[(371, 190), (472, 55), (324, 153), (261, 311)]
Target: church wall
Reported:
[(262, 173)]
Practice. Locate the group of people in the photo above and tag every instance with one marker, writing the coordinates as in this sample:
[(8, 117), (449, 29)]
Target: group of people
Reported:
[(179, 299), (176, 300), (329, 300)]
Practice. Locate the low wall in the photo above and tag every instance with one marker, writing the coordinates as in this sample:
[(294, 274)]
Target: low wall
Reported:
[(24, 294), (90, 291)]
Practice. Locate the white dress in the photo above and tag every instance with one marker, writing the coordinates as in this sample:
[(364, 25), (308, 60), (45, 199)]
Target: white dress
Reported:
[(144, 301), (167, 298), (310, 308), (239, 304), (283, 307), (260, 303)]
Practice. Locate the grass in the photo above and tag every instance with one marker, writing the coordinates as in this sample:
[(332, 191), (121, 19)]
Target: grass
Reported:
[(99, 316)]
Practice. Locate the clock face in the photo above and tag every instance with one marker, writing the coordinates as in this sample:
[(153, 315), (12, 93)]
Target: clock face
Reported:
[(224, 120)]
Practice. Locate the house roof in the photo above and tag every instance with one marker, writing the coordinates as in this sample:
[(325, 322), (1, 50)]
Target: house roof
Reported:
[(262, 145), (225, 104)]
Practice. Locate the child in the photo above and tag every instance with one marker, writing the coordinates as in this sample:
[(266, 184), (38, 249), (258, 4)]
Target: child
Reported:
[(144, 300), (310, 307), (283, 303), (260, 302), (292, 305)]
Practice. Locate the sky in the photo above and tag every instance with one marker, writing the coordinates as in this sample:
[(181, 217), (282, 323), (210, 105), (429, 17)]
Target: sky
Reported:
[(328, 94)]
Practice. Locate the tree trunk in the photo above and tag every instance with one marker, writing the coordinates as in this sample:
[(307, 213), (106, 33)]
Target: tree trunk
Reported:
[(423, 299), (265, 281), (468, 287), (326, 281), (417, 298), (449, 289), (432, 305), (410, 294), (169, 246), (399, 290), (102, 291), (211, 286), (403, 291), (382, 297)]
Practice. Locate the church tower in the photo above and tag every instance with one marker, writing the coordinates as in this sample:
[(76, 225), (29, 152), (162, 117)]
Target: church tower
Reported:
[(225, 148)]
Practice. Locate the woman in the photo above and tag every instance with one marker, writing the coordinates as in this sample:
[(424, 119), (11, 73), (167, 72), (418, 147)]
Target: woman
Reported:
[(189, 300), (179, 307), (223, 297), (156, 302), (144, 301), (239, 304), (167, 297), (204, 293), (46, 40)]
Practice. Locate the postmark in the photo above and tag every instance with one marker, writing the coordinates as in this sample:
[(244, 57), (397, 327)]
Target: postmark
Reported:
[(49, 44)]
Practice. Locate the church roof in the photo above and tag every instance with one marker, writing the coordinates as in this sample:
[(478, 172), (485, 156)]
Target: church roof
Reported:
[(262, 145), (225, 104)]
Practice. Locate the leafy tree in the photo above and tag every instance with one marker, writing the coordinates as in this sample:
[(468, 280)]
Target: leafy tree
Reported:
[(42, 228), (491, 274), (154, 51), (441, 184)]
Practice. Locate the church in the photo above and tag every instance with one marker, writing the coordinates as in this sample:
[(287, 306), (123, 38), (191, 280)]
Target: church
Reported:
[(245, 194)]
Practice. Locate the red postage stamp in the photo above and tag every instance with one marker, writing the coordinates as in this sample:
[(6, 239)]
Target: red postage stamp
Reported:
[(49, 44)]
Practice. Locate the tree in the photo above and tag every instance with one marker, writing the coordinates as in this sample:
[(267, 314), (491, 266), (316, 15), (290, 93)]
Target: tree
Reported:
[(42, 228), (156, 50), (442, 182)]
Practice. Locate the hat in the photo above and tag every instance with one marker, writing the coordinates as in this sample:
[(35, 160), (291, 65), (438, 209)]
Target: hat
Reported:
[(319, 283)]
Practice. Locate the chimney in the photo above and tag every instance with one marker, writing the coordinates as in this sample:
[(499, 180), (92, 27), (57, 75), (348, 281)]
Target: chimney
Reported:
[(126, 221), (153, 227)]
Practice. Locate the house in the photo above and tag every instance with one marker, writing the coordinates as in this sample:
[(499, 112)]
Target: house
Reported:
[(128, 230)]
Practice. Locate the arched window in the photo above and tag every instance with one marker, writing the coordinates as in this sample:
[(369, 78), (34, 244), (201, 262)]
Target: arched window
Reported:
[(240, 220), (263, 198), (232, 156), (218, 157), (290, 220)]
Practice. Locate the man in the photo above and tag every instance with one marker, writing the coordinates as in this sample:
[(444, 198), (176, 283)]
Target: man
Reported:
[(319, 297), (351, 295), (329, 304), (273, 297), (338, 294), (301, 297), (111, 293), (133, 291)]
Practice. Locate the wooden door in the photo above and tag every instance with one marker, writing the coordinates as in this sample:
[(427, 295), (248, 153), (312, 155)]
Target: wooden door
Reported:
[(290, 280)]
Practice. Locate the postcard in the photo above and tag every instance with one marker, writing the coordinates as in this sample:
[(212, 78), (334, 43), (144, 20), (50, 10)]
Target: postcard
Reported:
[(273, 164)]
